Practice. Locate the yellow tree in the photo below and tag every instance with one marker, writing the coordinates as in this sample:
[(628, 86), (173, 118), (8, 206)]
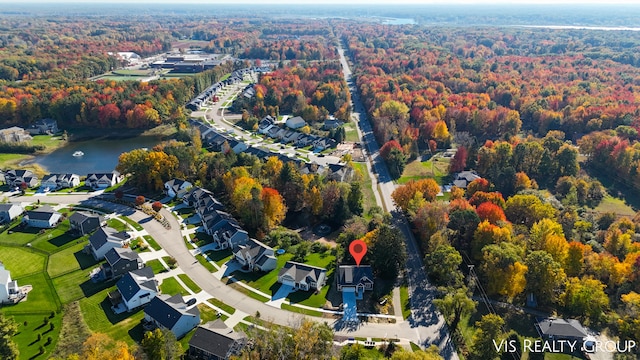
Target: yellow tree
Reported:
[(274, 207), (487, 234), (101, 347)]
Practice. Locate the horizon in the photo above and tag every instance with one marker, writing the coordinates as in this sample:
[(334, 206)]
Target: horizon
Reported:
[(341, 3)]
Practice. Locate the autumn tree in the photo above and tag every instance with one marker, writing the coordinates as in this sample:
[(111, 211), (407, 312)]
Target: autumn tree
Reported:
[(455, 304), (527, 209), (544, 276), (403, 195), (101, 347), (8, 329), (491, 213), (161, 344), (489, 331), (585, 297), (487, 234), (274, 208), (149, 170), (156, 206), (503, 268)]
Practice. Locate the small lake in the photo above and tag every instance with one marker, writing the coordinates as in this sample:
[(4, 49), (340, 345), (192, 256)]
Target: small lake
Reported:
[(99, 155)]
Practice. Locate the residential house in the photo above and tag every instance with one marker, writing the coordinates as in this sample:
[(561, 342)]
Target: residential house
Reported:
[(60, 181), (119, 262), (463, 178), (176, 188), (215, 341), (172, 313), (352, 278), (235, 146), (212, 220), (229, 235), (265, 124), (331, 124), (255, 255), (302, 276), (194, 195), (295, 122), (14, 134), (44, 217), (9, 212), (339, 172), (15, 178), (44, 126), (272, 131), (136, 288), (207, 204), (84, 223), (291, 137), (8, 289), (561, 329), (103, 181), (105, 239)]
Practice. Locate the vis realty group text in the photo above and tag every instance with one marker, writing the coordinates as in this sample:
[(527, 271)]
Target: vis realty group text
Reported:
[(564, 346)]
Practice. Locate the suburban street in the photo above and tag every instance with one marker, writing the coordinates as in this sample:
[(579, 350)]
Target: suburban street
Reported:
[(428, 323)]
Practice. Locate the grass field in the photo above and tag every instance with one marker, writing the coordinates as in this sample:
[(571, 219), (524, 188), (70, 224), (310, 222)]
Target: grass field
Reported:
[(201, 259), (134, 224), (351, 133), (96, 311), (220, 257), (41, 298), (171, 286), (65, 260), (21, 262), (614, 205), (222, 306), (27, 337), (48, 240), (117, 224), (436, 168), (152, 242), (156, 266), (298, 310), (190, 284), (208, 314), (404, 300), (368, 197), (76, 285), (130, 72), (248, 292)]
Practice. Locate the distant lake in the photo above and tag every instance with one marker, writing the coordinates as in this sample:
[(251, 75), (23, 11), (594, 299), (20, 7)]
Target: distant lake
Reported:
[(99, 155), (399, 21)]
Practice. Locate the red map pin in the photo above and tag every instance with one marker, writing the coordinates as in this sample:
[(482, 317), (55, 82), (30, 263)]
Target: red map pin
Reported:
[(358, 249)]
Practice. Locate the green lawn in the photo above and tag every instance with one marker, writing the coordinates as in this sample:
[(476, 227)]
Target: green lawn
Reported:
[(436, 168), (351, 132), (205, 263), (65, 260), (117, 224), (48, 141), (171, 286), (96, 311), (404, 300), (190, 284), (41, 298), (21, 262), (152, 242), (156, 266), (48, 240), (267, 283), (368, 197), (220, 257), (222, 306), (27, 337), (77, 285), (134, 224), (614, 205), (208, 314), (248, 292)]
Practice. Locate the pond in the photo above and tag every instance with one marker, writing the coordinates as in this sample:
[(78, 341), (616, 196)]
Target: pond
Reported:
[(99, 155)]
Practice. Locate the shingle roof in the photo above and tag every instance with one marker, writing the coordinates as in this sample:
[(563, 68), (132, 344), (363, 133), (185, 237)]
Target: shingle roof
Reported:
[(168, 310), (562, 328), (350, 275), (216, 338), (115, 254), (43, 213), (299, 271), (80, 217), (135, 280), (101, 236)]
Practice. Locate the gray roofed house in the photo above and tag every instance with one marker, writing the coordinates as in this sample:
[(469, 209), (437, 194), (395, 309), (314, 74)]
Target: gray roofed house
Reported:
[(172, 313), (103, 180), (16, 178), (60, 181), (14, 134), (229, 234), (554, 328), (43, 217), (119, 262), (136, 288), (302, 276), (295, 122), (176, 188), (9, 212), (193, 196), (206, 203), (463, 178), (44, 126), (216, 341), (352, 278), (255, 255), (105, 239), (84, 222)]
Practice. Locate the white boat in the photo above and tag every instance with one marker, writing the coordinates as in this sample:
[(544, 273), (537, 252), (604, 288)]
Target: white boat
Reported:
[(78, 154)]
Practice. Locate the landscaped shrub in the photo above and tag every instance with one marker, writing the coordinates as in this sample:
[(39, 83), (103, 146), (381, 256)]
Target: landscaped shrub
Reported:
[(156, 206), (140, 200)]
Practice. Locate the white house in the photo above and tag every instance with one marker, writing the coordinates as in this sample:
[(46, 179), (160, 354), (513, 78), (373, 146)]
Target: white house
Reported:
[(14, 134), (103, 181), (16, 178), (295, 122), (302, 276), (172, 313), (255, 255), (177, 188), (136, 288), (8, 289), (44, 218), (105, 239), (9, 212), (60, 181)]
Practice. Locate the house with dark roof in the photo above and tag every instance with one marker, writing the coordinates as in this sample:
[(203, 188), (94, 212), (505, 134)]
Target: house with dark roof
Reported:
[(561, 329), (84, 223), (352, 278), (302, 276), (331, 124), (463, 178), (119, 262), (105, 239), (136, 288), (15, 178), (255, 255), (338, 172), (193, 196), (176, 188), (215, 341), (103, 181), (172, 313), (229, 235), (295, 122), (44, 126), (60, 181), (265, 124), (44, 217), (9, 212)]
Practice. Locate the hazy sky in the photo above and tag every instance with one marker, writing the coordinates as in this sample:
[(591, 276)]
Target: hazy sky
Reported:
[(376, 2)]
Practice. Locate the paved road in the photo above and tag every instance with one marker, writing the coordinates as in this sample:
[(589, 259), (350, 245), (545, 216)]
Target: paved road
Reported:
[(425, 320), (172, 242)]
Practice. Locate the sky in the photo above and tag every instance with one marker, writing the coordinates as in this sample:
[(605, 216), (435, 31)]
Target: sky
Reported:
[(354, 2)]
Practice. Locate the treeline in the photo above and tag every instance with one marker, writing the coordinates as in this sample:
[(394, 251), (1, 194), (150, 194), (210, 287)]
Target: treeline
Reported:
[(311, 90), (289, 49)]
